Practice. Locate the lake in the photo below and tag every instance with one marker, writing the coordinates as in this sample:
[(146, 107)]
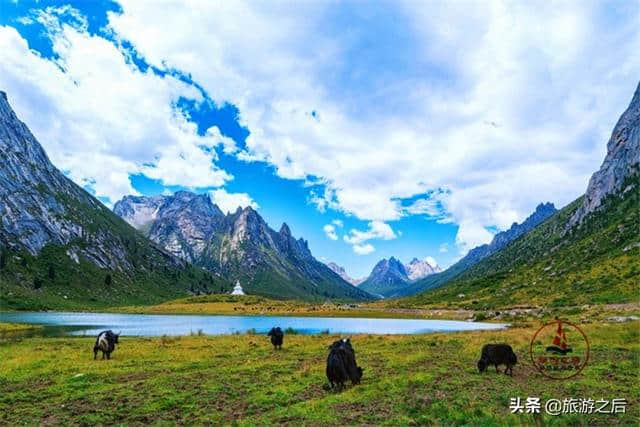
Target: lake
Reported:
[(60, 323)]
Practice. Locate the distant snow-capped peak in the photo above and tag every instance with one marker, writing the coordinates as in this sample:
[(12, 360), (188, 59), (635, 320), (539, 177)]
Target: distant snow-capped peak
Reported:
[(340, 271), (417, 269)]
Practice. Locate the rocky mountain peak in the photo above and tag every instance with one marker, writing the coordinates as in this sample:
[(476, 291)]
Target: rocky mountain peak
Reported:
[(621, 162), (390, 266), (239, 245), (340, 271), (39, 206), (417, 269), (285, 230), (31, 212), (138, 211)]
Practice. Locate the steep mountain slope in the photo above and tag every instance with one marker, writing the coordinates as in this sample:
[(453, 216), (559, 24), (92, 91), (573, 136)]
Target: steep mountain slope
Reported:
[(588, 252), (140, 212), (238, 246), (543, 212), (621, 162), (340, 271), (182, 224), (386, 278), (60, 247)]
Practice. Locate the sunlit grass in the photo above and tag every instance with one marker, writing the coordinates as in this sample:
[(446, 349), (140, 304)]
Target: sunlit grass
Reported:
[(16, 327), (204, 379)]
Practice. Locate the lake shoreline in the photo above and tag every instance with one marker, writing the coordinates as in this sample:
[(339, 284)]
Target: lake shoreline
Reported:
[(150, 325)]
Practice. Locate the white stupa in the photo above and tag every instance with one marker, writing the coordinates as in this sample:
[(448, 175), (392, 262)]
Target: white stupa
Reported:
[(237, 290)]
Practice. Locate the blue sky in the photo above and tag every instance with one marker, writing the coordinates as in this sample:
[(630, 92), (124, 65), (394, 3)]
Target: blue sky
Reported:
[(395, 128)]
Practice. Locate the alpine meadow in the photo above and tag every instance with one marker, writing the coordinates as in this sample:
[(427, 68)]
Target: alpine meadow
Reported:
[(358, 213)]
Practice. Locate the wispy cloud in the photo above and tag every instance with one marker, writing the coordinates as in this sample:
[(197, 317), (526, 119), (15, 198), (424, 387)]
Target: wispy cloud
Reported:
[(364, 249)]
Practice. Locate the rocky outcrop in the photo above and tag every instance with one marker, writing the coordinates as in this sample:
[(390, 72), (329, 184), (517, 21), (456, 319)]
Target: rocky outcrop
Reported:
[(417, 269), (238, 246), (140, 212), (30, 211), (39, 206), (621, 162)]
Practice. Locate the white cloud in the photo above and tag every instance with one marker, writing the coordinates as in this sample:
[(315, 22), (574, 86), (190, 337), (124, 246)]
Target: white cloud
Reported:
[(400, 121), (444, 248), (365, 249), (330, 231), (430, 206), (544, 73), (376, 230), (101, 119), (230, 202), (358, 238)]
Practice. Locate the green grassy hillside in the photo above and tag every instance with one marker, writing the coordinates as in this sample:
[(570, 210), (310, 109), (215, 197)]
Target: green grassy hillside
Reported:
[(51, 280), (596, 262), (62, 277)]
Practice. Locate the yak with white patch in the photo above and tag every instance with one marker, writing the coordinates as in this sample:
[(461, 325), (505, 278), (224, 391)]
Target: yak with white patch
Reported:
[(341, 364), (497, 354), (277, 337), (106, 343)]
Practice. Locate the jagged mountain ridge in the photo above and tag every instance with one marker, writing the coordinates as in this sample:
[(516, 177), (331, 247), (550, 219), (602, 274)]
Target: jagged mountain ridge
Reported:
[(340, 271), (47, 217), (418, 269), (239, 246), (588, 252), (621, 161), (390, 276), (181, 223), (502, 239)]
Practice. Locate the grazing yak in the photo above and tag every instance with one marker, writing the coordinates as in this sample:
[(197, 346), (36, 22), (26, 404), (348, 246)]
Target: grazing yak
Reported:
[(105, 342), (277, 337), (497, 354), (341, 364)]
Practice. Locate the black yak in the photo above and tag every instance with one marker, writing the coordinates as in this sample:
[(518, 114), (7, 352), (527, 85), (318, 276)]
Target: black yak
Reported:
[(105, 342), (341, 364), (497, 354), (277, 337)]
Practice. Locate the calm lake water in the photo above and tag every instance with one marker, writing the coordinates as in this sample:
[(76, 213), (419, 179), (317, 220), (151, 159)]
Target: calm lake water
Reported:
[(59, 323)]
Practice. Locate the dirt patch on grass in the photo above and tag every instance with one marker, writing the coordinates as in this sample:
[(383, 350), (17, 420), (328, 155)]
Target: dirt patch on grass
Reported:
[(314, 391)]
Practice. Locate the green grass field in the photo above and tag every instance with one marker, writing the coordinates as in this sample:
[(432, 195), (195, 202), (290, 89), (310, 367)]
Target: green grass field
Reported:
[(408, 380)]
